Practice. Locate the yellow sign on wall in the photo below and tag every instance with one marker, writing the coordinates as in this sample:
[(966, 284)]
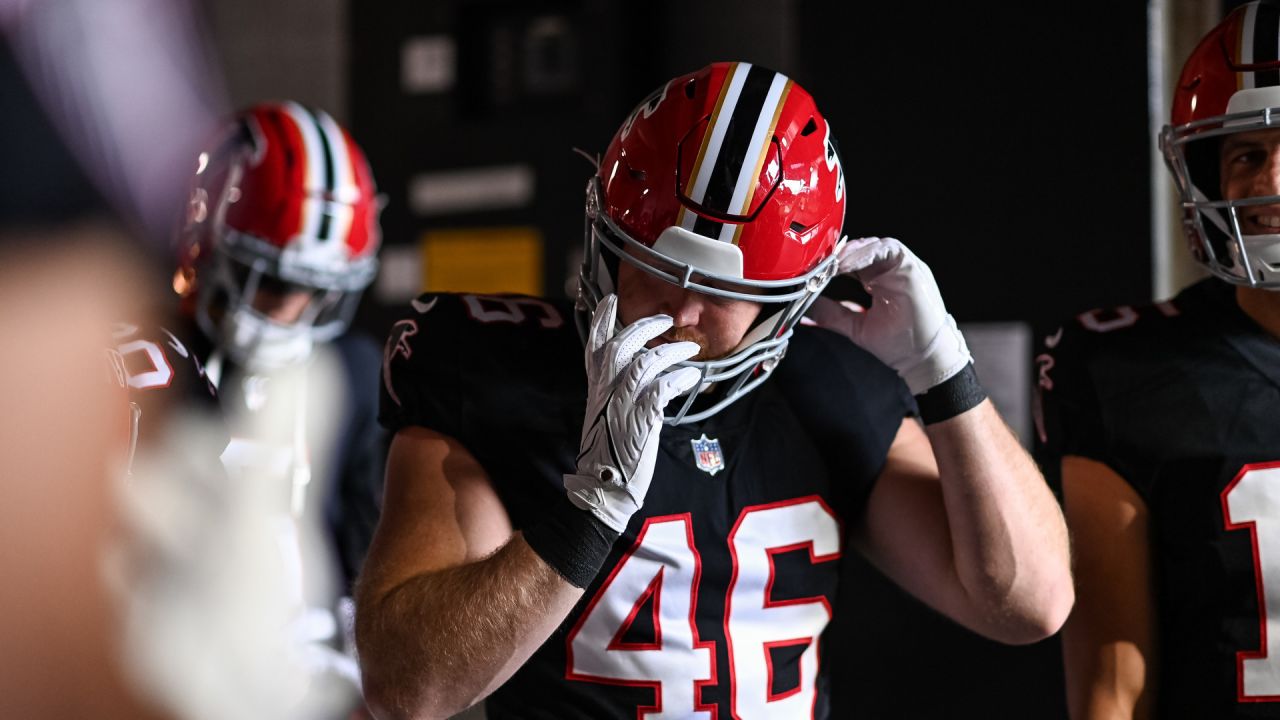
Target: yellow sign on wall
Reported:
[(483, 260)]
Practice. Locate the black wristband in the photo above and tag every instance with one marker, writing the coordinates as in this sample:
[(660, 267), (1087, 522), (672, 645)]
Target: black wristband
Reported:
[(572, 541), (952, 396)]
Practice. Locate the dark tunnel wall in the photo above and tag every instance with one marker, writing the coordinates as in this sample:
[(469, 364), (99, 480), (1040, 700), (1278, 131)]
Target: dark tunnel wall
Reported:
[(1015, 163), (1014, 158)]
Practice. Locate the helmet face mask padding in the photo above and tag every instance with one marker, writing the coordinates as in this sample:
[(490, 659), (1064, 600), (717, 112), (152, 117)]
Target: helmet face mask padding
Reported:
[(723, 182), (1229, 85)]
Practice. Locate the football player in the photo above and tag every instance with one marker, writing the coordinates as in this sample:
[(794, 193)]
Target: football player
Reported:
[(655, 534), (1160, 420), (280, 242)]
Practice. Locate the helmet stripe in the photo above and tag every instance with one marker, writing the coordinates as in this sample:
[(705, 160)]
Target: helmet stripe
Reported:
[(739, 140), (711, 142), (761, 141), (343, 187), (314, 168), (325, 191), (704, 226)]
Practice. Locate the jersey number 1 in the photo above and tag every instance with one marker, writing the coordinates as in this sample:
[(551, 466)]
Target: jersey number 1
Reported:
[(1252, 501), (661, 572)]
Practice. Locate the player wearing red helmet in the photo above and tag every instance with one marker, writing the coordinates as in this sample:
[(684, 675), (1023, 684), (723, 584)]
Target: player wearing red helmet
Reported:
[(654, 534), (283, 224), (280, 242), (1160, 422)]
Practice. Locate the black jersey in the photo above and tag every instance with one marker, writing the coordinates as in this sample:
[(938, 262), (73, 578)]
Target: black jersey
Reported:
[(1180, 399), (714, 599), (164, 376)]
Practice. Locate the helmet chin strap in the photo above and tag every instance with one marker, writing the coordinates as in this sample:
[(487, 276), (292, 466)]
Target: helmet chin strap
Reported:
[(761, 329)]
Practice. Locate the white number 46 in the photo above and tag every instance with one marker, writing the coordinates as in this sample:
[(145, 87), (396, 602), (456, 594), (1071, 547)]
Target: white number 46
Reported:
[(662, 572)]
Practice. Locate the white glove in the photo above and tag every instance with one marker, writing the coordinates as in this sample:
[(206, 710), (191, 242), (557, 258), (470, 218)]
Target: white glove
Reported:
[(627, 391), (907, 327)]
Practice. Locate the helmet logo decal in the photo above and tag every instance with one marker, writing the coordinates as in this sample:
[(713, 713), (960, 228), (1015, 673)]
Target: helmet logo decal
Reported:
[(833, 162), (647, 106), (397, 345), (707, 455)]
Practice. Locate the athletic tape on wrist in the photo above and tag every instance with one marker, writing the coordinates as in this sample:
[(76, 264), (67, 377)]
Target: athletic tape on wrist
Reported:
[(573, 542), (952, 396)]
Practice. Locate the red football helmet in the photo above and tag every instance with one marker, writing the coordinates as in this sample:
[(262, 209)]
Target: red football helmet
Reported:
[(724, 181), (282, 203), (1230, 84)]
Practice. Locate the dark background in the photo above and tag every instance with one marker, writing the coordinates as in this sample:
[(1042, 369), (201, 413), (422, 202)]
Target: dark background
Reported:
[(1010, 153)]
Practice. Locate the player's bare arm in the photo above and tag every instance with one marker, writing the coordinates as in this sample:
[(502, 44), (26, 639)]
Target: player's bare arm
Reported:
[(961, 518), (1108, 643), (451, 601), (960, 515)]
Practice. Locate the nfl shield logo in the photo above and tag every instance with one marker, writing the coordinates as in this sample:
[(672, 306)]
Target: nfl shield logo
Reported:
[(706, 453)]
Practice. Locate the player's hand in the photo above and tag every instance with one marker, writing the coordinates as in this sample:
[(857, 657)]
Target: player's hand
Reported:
[(627, 390), (907, 326)]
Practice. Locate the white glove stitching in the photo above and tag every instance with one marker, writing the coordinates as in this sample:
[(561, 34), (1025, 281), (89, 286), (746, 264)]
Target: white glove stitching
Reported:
[(628, 388)]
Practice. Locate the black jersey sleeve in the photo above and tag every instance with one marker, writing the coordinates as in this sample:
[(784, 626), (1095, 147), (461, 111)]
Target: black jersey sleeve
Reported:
[(502, 375), (165, 378), (476, 366), (420, 374), (1068, 416), (851, 404), (1095, 376)]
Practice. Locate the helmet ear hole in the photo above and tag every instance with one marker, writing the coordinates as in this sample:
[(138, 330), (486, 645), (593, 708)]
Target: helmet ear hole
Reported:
[(691, 88), (809, 128)]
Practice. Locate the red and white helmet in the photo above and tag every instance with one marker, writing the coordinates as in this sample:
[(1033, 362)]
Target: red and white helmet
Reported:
[(724, 181), (1230, 84), (283, 200)]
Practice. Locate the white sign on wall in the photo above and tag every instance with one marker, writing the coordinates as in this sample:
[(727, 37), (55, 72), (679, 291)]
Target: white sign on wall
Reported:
[(471, 189), (428, 64)]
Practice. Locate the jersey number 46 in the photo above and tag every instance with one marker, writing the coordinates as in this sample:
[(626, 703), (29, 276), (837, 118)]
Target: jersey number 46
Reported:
[(662, 571)]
